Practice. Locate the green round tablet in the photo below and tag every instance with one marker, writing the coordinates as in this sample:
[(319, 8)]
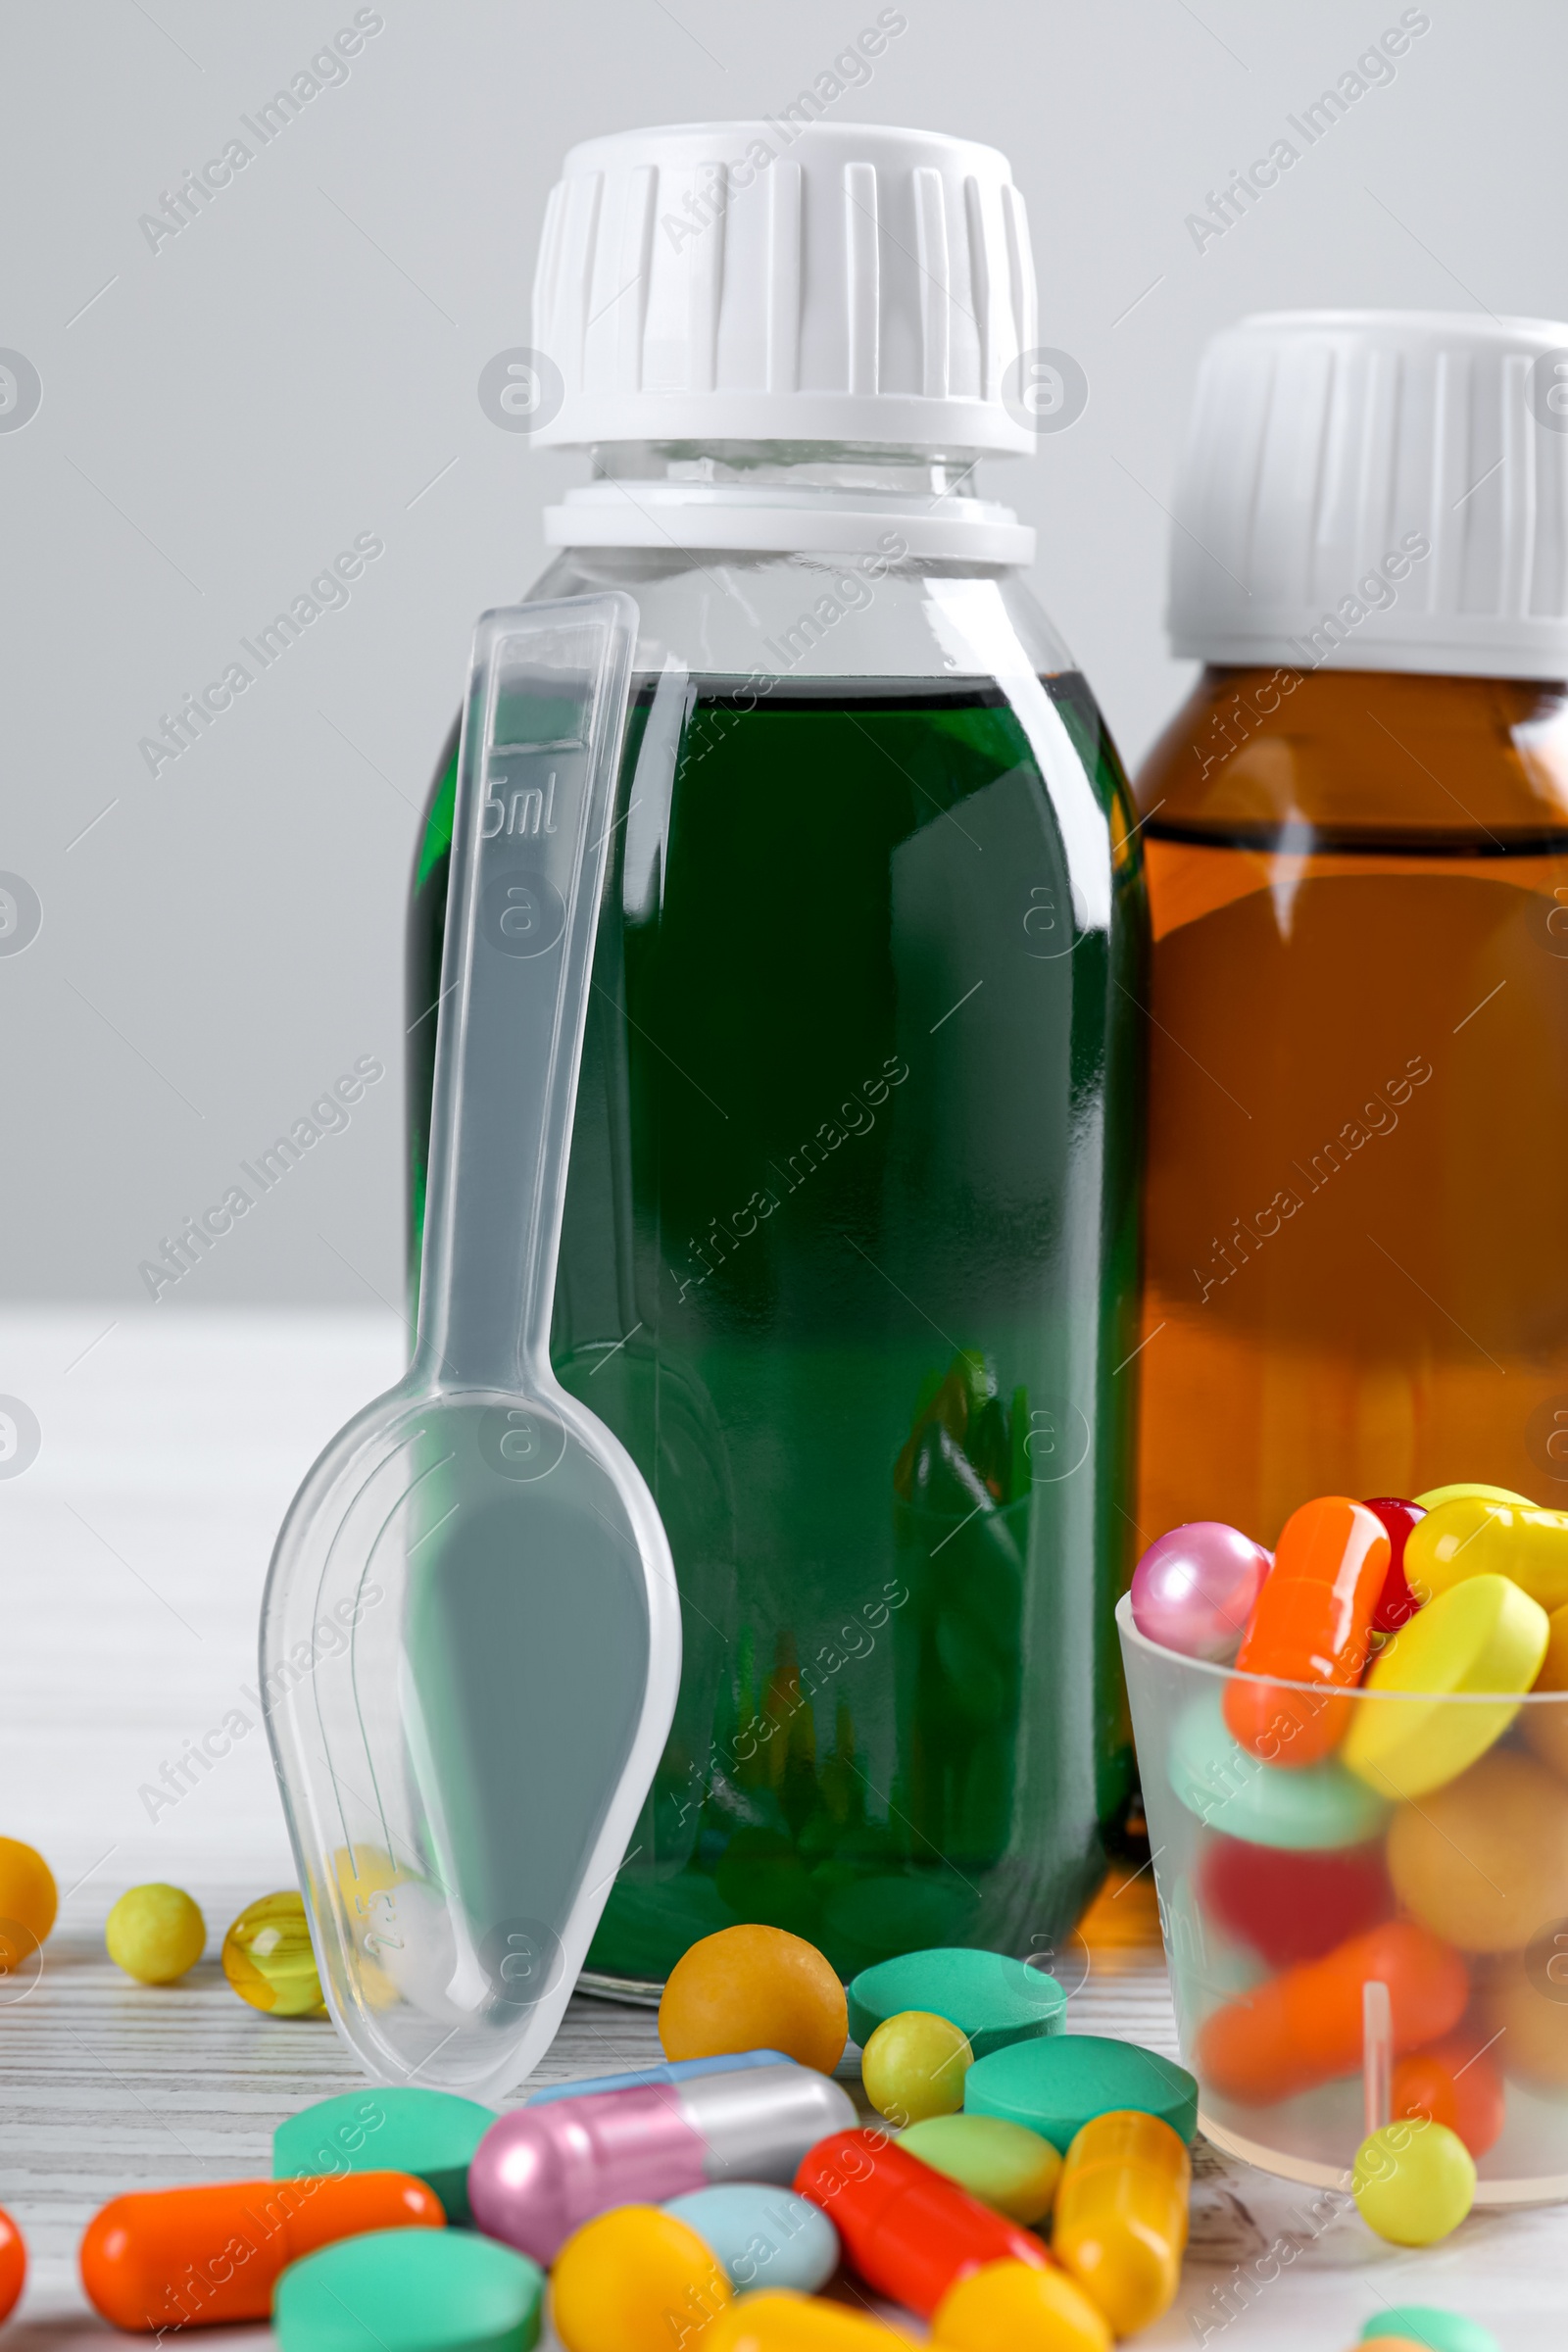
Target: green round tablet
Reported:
[(410, 2290), (1056, 2087), (1003, 2165), (1423, 2324), (992, 2000), (430, 2133)]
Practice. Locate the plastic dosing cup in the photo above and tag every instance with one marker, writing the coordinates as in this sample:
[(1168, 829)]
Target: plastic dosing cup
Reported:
[(471, 1642), (1427, 1853)]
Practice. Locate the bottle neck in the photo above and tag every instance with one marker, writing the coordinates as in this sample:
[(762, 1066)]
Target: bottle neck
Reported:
[(1384, 751), (786, 498), (830, 469)]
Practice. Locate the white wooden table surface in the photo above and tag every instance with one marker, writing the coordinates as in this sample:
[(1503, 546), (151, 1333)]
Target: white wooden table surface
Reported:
[(132, 1557)]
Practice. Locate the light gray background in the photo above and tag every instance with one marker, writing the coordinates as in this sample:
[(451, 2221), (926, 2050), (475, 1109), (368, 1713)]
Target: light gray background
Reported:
[(221, 416)]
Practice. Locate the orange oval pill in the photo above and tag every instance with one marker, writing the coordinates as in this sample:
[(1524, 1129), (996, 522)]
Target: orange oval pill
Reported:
[(191, 2257), (1312, 1623), (1304, 2026)]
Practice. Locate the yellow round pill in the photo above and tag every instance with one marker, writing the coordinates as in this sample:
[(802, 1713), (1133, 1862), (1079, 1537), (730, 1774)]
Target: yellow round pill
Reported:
[(155, 1934), (268, 1961), (914, 2065), (1027, 2309), (786, 2323), (754, 1988), (1413, 2181), (362, 1872), (636, 2280), (368, 1879), (1483, 1634), (29, 1901)]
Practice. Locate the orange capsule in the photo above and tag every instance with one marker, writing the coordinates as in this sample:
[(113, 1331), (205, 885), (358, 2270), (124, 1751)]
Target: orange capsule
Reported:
[(1305, 2026), (191, 2257), (1121, 2215), (1312, 1623)]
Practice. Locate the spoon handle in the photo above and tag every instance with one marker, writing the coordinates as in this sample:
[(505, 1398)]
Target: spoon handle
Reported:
[(542, 732)]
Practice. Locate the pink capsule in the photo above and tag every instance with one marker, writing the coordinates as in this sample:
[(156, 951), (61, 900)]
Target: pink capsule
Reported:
[(540, 2173), (1194, 1589)]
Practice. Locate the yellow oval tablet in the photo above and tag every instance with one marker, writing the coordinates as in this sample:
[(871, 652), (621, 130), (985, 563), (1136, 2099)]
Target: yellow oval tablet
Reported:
[(635, 2280), (1485, 1635), (1472, 1537), (1000, 2163)]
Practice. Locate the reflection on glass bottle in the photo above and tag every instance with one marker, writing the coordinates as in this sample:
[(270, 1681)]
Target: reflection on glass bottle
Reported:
[(961, 1514)]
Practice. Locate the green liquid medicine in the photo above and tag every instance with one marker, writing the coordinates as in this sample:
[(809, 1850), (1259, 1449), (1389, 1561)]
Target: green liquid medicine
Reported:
[(849, 1264)]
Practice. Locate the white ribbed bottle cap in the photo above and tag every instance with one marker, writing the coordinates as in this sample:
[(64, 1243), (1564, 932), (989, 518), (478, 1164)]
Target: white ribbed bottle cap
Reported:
[(831, 282), (1377, 490)]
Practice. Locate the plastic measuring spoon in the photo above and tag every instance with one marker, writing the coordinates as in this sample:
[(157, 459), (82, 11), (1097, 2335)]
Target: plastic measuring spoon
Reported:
[(470, 1639)]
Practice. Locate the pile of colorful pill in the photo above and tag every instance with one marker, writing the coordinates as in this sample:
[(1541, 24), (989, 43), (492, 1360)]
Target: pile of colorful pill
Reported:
[(1373, 1800), (1030, 2190), (1027, 2188)]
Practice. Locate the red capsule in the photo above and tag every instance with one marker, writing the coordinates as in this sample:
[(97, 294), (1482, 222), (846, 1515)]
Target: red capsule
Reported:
[(910, 2232), (1396, 1604)]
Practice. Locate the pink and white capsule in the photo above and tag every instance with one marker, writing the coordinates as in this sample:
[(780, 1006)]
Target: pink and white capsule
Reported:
[(540, 2173)]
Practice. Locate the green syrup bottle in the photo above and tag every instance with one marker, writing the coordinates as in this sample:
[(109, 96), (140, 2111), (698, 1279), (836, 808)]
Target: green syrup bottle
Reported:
[(850, 1254)]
